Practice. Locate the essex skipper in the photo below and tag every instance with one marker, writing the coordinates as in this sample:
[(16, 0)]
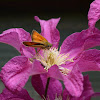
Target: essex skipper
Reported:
[(38, 41)]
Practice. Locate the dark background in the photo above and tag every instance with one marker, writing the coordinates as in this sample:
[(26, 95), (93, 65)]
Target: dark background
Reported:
[(20, 14), (45, 5)]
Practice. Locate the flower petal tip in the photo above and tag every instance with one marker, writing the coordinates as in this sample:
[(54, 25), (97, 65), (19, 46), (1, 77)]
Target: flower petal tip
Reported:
[(37, 18)]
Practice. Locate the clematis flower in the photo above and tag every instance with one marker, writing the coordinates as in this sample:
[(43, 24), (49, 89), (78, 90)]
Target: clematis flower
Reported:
[(87, 93), (72, 57), (16, 72), (8, 95), (65, 64)]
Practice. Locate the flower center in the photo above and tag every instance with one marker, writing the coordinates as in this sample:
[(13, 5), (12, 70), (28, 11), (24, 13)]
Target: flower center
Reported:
[(53, 57)]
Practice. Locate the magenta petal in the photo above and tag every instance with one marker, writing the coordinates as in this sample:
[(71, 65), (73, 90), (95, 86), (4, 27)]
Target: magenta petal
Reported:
[(66, 94), (92, 40), (37, 68), (88, 91), (80, 41), (74, 82), (8, 95), (16, 72), (73, 43), (39, 84), (86, 94), (94, 13), (49, 31), (28, 51), (54, 72), (96, 94), (89, 60), (15, 37)]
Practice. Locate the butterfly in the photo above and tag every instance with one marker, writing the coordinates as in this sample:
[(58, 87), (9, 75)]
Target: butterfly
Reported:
[(38, 41)]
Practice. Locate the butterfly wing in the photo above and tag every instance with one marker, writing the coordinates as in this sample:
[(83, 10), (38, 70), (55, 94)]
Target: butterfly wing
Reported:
[(38, 41), (37, 38), (33, 44)]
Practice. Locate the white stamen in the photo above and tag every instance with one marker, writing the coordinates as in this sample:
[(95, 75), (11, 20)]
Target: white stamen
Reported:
[(53, 57)]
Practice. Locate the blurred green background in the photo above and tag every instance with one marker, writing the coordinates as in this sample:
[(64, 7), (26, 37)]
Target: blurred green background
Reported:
[(20, 14)]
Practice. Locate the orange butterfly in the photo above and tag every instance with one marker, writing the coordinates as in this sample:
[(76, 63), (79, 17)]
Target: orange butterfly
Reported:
[(38, 41)]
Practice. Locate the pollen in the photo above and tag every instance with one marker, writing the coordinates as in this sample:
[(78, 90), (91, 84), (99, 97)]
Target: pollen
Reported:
[(65, 71), (52, 56)]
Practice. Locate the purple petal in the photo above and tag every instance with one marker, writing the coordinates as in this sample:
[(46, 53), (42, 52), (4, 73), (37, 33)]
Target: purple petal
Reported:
[(49, 31), (86, 94), (80, 41), (92, 40), (37, 68), (8, 95), (88, 91), (54, 72), (15, 37), (94, 13), (73, 43), (89, 60), (16, 72), (66, 94), (96, 94), (74, 82), (39, 84), (28, 51)]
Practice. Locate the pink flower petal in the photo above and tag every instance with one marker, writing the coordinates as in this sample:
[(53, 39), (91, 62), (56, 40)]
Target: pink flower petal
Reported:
[(80, 41), (86, 94), (54, 72), (39, 84), (49, 31), (94, 13), (37, 68), (28, 51), (89, 60), (16, 72), (15, 37), (92, 40), (8, 95), (96, 94), (74, 82), (88, 91), (66, 94)]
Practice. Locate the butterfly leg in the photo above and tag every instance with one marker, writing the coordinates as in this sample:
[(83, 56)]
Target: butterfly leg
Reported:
[(38, 51)]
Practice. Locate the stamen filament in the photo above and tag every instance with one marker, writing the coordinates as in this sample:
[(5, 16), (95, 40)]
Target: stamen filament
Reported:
[(54, 57)]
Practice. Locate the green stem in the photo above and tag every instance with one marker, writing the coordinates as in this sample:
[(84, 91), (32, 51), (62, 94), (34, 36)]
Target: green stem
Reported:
[(46, 89)]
